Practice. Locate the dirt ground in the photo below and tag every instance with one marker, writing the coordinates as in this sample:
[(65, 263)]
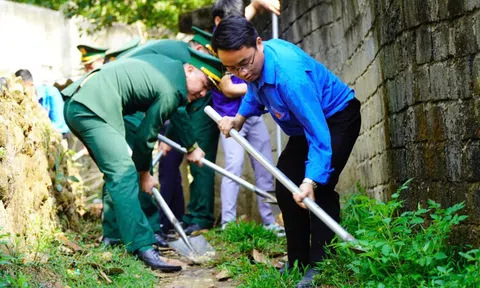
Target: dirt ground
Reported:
[(194, 277)]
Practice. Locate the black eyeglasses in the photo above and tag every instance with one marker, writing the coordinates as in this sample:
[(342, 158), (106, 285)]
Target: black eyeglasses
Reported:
[(244, 68)]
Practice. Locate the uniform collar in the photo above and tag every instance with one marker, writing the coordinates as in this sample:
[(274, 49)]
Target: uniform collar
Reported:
[(268, 71)]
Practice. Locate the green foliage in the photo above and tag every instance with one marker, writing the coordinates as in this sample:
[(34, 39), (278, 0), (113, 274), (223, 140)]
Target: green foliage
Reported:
[(104, 13), (235, 245), (243, 237), (60, 178), (80, 269), (408, 249), (6, 279)]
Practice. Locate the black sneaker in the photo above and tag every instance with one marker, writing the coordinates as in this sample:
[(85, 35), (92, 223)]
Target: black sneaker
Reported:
[(307, 280), (151, 258), (192, 228)]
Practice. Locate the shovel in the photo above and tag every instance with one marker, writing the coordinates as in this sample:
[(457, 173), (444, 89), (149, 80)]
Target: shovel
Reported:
[(311, 205), (267, 197), (195, 248)]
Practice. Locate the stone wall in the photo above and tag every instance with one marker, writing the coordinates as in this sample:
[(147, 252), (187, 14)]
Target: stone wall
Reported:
[(415, 67)]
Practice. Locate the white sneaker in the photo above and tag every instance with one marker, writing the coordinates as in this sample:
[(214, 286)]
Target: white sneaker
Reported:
[(224, 225), (277, 229)]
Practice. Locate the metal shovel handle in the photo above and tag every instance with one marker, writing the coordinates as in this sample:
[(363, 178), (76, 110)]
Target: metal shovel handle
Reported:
[(312, 206), (220, 170), (168, 212)]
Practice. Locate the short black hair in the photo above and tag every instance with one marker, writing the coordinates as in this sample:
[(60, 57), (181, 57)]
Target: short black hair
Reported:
[(25, 74), (224, 8), (233, 33)]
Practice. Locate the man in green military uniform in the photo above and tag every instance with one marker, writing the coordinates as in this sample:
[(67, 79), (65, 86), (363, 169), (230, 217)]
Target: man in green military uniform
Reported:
[(156, 85), (111, 232), (200, 209), (92, 57)]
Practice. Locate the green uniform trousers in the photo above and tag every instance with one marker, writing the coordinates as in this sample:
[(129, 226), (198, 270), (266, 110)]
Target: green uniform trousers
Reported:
[(200, 209), (109, 149), (109, 222)]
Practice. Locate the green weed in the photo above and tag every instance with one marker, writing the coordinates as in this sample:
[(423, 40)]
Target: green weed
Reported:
[(403, 249), (235, 245), (60, 178)]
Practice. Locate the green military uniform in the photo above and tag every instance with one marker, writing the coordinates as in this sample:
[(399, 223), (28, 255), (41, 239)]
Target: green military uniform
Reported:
[(189, 126), (112, 54), (132, 122), (153, 84)]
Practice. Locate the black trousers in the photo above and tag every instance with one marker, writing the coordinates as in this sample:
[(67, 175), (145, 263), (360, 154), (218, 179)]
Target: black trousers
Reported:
[(306, 234)]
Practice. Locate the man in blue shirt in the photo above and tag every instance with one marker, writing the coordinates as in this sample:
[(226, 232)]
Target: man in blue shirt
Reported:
[(50, 99), (312, 106)]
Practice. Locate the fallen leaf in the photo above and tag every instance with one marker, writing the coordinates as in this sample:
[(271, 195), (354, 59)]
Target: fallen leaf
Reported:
[(62, 238), (42, 257), (199, 232), (280, 220), (243, 218), (37, 257), (223, 275), (105, 276), (107, 256), (277, 264), (114, 271), (259, 257)]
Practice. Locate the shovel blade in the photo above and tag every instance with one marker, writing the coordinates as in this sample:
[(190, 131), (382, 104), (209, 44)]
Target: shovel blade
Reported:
[(203, 250)]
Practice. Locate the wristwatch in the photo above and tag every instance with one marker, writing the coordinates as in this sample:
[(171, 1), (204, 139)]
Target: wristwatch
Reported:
[(310, 181)]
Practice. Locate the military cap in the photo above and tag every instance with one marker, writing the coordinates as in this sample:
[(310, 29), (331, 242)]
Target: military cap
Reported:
[(111, 54), (203, 38), (211, 66), (90, 53)]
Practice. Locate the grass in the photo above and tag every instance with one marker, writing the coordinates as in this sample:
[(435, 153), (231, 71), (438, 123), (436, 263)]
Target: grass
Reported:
[(235, 246), (54, 263), (404, 249)]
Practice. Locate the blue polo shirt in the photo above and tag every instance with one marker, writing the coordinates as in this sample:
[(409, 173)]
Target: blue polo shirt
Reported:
[(300, 94), (51, 100)]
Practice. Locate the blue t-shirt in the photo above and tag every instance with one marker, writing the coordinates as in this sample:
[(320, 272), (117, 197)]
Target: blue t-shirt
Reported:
[(300, 94), (51, 100)]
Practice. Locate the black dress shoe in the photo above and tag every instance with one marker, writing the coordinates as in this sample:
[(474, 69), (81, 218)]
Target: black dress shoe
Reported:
[(307, 280), (151, 258), (160, 237), (192, 228), (111, 241)]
